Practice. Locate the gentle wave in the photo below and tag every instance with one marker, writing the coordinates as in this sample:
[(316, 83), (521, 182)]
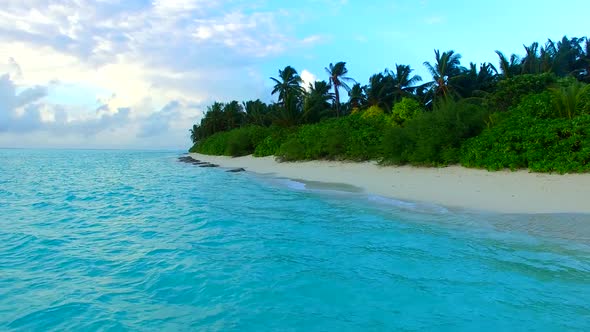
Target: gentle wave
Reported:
[(292, 184), (358, 193)]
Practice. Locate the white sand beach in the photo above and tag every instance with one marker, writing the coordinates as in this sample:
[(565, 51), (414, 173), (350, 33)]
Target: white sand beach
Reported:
[(455, 186)]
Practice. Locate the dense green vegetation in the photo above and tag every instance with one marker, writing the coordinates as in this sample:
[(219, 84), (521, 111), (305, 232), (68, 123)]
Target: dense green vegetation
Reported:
[(545, 132), (529, 112)]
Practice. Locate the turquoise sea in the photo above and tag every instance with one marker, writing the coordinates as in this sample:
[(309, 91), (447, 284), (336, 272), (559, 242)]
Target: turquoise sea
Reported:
[(124, 240)]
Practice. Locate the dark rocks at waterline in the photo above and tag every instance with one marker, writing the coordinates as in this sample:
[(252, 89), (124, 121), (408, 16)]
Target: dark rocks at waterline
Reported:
[(208, 165), (190, 160), (196, 162), (186, 159)]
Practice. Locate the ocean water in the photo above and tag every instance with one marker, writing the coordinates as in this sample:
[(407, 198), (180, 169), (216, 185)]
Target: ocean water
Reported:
[(120, 240)]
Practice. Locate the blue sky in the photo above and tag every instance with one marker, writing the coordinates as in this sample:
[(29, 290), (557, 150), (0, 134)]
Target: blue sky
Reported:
[(139, 73)]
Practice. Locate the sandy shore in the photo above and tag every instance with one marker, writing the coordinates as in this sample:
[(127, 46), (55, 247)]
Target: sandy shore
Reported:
[(505, 191)]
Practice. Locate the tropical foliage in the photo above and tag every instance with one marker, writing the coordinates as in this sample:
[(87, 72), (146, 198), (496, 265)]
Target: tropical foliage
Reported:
[(537, 136), (338, 80), (527, 111)]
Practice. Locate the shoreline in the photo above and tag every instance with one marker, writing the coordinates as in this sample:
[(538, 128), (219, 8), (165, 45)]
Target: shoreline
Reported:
[(452, 187)]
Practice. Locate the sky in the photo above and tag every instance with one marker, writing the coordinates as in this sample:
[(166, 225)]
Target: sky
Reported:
[(137, 74)]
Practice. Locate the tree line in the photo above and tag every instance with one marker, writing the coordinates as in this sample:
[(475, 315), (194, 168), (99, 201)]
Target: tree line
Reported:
[(458, 115), (321, 99)]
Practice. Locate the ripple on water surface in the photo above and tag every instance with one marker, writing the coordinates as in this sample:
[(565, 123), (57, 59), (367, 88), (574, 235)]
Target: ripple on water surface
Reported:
[(113, 240)]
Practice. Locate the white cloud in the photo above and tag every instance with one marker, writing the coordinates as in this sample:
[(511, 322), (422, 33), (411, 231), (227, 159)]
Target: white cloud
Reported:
[(140, 70), (312, 39), (178, 5), (29, 114), (27, 111), (308, 78)]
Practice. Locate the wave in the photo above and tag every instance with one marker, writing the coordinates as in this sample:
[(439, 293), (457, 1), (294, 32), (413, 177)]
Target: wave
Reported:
[(409, 206)]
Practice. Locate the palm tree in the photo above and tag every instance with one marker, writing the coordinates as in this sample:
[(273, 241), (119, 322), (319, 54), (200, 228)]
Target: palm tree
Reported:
[(233, 114), (288, 83), (403, 82), (194, 133), (338, 79), (531, 63), (290, 112), (446, 67), (256, 112), (317, 101), (475, 83), (567, 54), (487, 76), (567, 99), (547, 57), (509, 67), (380, 91), (213, 121), (357, 97), (583, 71)]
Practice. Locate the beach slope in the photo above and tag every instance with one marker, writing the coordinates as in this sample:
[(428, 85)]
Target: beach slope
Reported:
[(455, 186)]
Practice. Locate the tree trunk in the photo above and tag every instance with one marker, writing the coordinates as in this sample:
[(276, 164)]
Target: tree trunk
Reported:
[(337, 95)]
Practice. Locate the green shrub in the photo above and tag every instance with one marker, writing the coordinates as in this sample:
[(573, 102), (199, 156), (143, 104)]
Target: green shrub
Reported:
[(292, 150), (237, 142), (352, 137), (537, 135), (509, 92), (539, 105), (271, 144), (373, 111), (397, 146), (584, 102), (406, 109), (565, 101), (434, 138), (571, 99), (541, 145), (365, 137)]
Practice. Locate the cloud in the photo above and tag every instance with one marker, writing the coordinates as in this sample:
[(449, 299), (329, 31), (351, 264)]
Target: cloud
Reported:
[(308, 78), (18, 111), (313, 39), (159, 122), (142, 69), (29, 95), (26, 111), (28, 114), (13, 69), (101, 32)]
